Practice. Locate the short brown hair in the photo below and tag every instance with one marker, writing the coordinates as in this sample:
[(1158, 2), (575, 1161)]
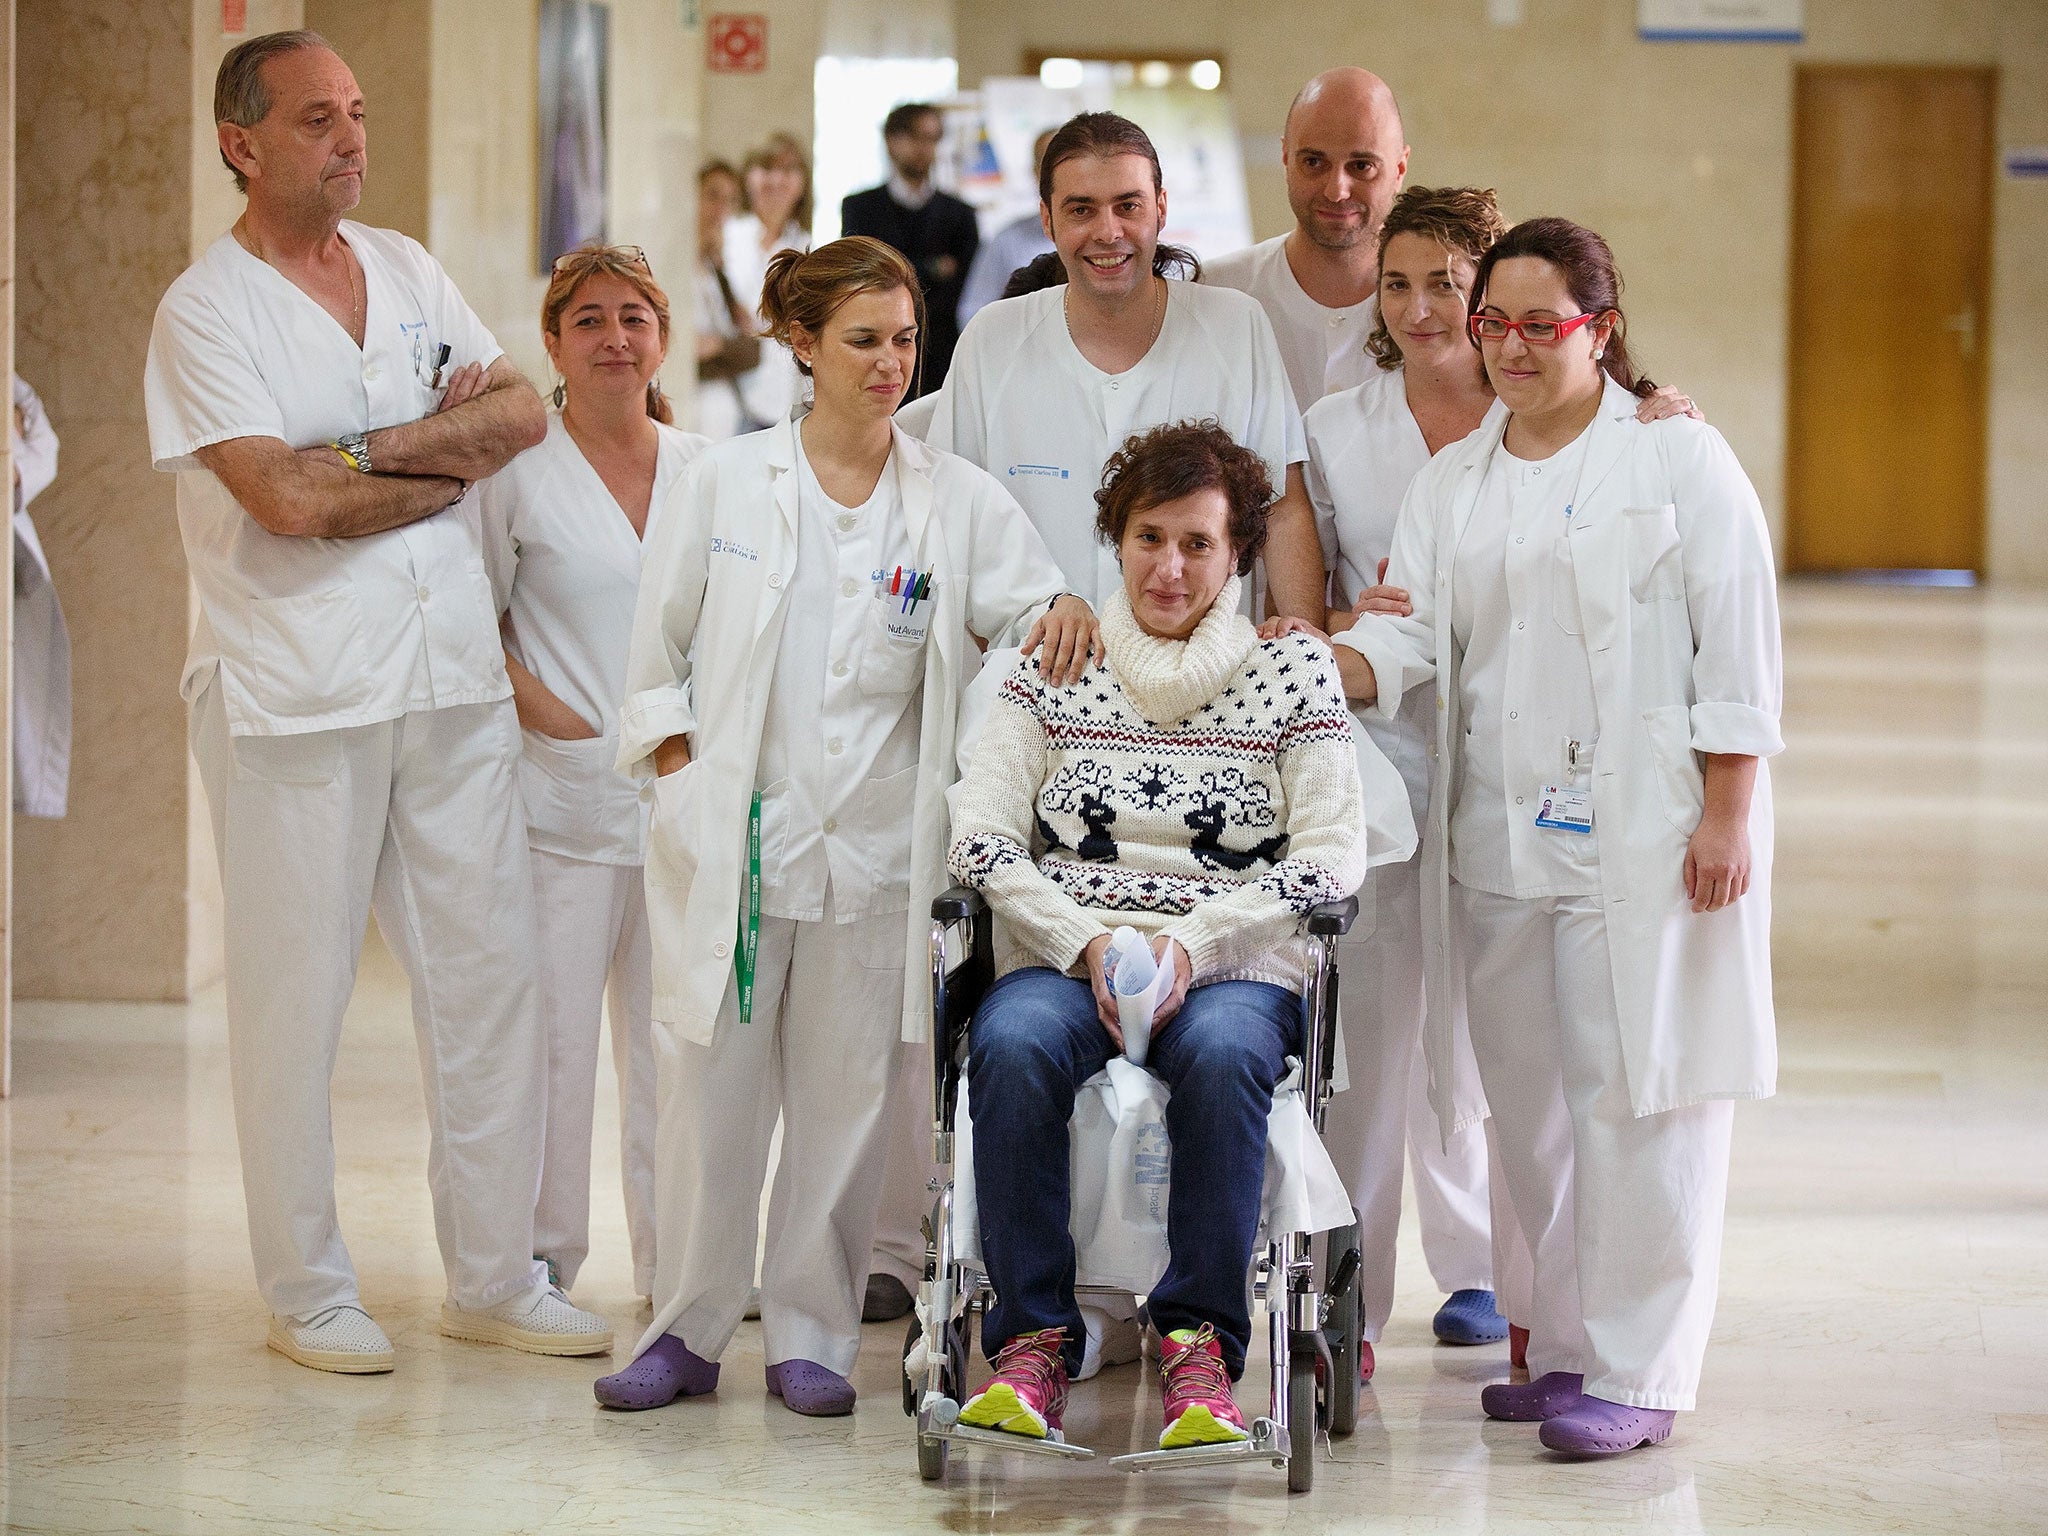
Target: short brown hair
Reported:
[(1179, 459), (807, 287), (1462, 219), (776, 147), (587, 261), (239, 95)]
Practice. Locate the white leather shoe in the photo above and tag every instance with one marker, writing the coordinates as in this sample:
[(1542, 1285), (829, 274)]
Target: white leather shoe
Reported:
[(550, 1326), (344, 1339)]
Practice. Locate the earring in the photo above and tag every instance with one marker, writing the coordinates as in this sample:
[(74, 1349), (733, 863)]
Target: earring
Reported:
[(1598, 353), (561, 393)]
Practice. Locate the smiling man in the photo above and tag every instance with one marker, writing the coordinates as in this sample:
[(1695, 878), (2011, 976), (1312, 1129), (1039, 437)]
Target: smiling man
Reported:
[(1046, 387), (1345, 154), (326, 397)]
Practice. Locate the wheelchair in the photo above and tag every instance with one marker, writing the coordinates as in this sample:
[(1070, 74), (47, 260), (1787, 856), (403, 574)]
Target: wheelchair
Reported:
[(1314, 1336)]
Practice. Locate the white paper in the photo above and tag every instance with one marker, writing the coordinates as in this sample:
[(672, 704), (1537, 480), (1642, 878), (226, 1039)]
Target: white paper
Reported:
[(1139, 984)]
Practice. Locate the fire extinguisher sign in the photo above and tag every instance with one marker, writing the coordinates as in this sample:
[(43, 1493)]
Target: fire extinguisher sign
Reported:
[(737, 44)]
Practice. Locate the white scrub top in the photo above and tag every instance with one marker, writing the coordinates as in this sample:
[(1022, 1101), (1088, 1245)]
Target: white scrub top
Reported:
[(1024, 404), (317, 634), (1525, 683), (772, 386), (1324, 349), (838, 764), (564, 563)]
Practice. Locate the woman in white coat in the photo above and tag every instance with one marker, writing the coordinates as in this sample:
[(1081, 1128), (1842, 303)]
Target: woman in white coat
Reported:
[(1365, 445), (802, 634), (562, 528), (1595, 604), (777, 183)]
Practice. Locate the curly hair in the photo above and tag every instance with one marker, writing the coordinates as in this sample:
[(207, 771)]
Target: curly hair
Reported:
[(1178, 459), (1462, 219)]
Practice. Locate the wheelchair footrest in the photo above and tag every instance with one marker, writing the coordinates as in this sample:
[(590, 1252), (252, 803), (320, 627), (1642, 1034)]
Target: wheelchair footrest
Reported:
[(1266, 1442), (940, 1420)]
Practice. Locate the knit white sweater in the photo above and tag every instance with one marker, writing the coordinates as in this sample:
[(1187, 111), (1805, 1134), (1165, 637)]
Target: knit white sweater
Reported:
[(1205, 788)]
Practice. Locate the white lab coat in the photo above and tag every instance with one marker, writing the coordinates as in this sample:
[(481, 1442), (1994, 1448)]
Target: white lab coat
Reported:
[(1677, 592), (42, 643), (705, 638)]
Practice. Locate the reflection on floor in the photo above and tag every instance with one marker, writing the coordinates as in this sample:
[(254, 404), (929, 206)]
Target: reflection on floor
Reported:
[(1880, 1361)]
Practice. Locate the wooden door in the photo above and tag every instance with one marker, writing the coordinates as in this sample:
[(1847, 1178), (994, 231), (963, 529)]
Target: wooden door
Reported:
[(1891, 237)]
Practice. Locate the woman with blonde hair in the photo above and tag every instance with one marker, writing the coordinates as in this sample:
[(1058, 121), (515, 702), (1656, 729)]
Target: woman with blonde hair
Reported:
[(563, 526), (776, 187), (802, 634)]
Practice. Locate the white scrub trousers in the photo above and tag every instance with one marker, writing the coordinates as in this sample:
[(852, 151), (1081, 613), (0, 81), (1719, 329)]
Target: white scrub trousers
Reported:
[(906, 1193), (1622, 1215), (594, 948), (1384, 1117), (420, 819), (823, 1049)]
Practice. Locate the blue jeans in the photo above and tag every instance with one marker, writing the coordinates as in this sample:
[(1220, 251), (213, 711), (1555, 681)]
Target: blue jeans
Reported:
[(1035, 1040)]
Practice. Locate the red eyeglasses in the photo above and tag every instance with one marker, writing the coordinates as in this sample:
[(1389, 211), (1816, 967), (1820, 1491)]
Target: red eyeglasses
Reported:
[(1537, 333)]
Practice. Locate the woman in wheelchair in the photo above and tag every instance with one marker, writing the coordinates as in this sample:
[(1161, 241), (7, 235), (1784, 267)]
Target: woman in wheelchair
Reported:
[(1198, 785)]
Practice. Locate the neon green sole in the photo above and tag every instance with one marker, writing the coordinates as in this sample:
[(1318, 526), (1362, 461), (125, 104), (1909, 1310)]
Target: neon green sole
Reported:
[(1198, 1426), (1000, 1408)]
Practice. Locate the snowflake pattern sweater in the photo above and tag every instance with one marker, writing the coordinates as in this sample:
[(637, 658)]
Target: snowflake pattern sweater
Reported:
[(1205, 788)]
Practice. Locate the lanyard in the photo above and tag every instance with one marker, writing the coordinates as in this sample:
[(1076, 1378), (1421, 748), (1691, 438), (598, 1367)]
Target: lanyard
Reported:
[(750, 920)]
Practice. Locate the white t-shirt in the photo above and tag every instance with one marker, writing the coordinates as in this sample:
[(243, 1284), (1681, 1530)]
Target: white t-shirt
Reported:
[(1024, 404), (838, 765), (318, 634), (1324, 349), (1525, 681), (564, 563)]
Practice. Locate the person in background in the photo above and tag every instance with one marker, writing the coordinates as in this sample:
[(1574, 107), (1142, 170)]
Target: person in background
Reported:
[(772, 662), (934, 230), (1595, 622), (728, 347), (42, 644), (776, 180), (1344, 152), (326, 397), (1004, 252), (563, 526)]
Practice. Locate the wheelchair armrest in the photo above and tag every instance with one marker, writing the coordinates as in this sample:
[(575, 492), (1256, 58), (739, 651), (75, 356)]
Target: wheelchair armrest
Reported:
[(1333, 919), (958, 904)]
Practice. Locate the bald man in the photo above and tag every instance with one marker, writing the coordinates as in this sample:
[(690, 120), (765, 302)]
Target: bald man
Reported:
[(1345, 156)]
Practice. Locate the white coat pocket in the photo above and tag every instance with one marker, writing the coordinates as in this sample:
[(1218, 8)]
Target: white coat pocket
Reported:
[(1681, 785), (306, 654), (1656, 555), (892, 653), (673, 848), (577, 804)]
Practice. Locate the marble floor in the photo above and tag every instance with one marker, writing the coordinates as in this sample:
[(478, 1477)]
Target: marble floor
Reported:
[(1880, 1361)]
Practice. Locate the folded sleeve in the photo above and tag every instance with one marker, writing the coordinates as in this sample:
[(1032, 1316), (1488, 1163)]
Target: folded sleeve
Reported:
[(200, 384)]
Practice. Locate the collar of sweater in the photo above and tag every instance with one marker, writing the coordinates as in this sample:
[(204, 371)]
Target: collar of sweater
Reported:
[(1170, 679)]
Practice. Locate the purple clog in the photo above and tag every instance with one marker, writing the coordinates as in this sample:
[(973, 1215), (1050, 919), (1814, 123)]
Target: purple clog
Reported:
[(1528, 1402), (1595, 1427), (808, 1388), (666, 1372)]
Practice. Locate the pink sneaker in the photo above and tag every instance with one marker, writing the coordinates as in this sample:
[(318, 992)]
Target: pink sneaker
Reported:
[(1028, 1394), (1196, 1387)]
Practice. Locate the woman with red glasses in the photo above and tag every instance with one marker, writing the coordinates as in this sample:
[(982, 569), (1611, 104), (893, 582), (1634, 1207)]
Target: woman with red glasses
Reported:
[(1595, 608)]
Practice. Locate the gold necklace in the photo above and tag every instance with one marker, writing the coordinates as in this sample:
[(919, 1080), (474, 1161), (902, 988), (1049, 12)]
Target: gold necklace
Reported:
[(357, 303), (1158, 320)]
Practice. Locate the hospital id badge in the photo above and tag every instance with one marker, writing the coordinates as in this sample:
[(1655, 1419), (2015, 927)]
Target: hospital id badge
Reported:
[(1566, 809)]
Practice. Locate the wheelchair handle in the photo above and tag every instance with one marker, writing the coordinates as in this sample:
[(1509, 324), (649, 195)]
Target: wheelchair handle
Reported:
[(1333, 919), (958, 904)]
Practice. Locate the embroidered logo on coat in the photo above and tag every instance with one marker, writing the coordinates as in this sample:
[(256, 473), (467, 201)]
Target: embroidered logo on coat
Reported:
[(737, 551)]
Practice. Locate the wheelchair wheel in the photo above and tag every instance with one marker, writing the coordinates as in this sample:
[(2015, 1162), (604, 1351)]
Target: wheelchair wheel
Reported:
[(931, 1458), (1344, 1329), (1301, 1420)]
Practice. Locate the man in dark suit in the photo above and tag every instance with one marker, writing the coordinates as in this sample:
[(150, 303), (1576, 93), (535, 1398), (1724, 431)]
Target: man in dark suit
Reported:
[(935, 231)]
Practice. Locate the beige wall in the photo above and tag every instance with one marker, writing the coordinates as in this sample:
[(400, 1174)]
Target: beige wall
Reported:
[(113, 189), (1679, 153), (740, 111), (388, 47), (483, 148)]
